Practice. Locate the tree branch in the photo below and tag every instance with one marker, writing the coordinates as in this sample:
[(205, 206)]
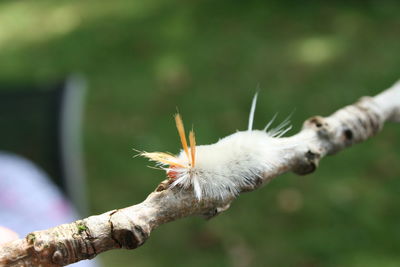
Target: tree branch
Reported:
[(130, 227)]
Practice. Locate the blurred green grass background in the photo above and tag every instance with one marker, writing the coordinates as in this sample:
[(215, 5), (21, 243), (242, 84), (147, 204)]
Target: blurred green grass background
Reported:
[(143, 59)]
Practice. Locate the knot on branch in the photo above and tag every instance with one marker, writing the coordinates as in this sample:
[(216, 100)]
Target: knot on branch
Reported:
[(214, 212), (41, 251), (125, 232), (355, 123), (318, 124), (63, 245), (308, 163), (349, 125)]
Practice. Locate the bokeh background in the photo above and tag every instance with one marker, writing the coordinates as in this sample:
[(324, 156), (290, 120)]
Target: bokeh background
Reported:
[(145, 59)]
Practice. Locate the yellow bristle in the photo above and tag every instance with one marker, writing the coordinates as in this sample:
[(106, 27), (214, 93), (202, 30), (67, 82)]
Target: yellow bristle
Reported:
[(162, 158), (181, 131)]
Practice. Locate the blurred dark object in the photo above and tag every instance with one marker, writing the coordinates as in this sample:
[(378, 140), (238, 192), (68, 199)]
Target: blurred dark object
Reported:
[(43, 124)]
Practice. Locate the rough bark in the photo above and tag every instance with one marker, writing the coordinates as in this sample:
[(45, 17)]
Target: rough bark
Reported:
[(130, 227)]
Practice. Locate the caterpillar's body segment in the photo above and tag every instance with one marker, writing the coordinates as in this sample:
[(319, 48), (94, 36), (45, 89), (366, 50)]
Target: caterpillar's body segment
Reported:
[(221, 170)]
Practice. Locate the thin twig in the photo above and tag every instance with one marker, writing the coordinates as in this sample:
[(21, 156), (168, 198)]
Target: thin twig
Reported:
[(130, 227)]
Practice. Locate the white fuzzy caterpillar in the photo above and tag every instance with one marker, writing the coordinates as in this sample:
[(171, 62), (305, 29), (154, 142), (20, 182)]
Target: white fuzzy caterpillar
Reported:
[(220, 170)]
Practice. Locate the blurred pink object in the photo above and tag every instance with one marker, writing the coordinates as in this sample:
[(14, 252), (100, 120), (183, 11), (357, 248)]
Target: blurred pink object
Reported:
[(29, 201), (6, 235)]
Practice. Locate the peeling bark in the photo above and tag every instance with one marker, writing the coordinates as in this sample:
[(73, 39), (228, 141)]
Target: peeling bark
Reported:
[(130, 227)]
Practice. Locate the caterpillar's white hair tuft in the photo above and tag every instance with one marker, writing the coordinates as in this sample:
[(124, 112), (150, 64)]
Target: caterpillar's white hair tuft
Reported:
[(252, 111), (221, 170)]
